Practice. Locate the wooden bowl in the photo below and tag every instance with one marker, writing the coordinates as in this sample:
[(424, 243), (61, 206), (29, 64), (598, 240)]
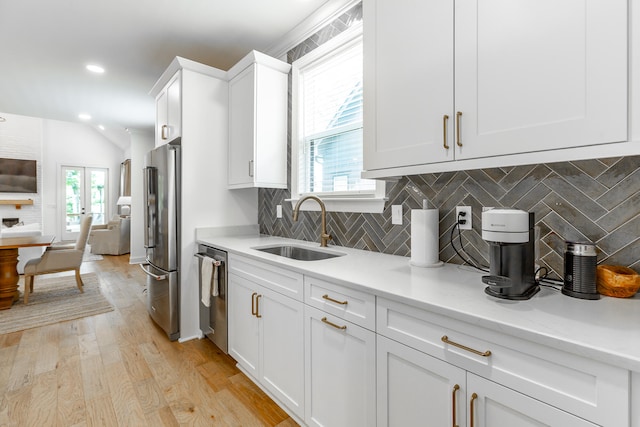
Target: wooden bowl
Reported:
[(617, 281)]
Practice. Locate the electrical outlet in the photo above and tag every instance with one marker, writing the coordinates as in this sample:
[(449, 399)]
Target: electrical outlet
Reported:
[(467, 218), (278, 211), (396, 214)]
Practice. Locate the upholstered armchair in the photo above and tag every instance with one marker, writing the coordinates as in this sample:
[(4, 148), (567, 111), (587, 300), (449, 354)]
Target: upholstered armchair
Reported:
[(58, 258), (112, 238)]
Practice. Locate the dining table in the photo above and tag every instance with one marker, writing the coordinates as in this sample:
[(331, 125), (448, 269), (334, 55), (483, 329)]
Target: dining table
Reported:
[(9, 276)]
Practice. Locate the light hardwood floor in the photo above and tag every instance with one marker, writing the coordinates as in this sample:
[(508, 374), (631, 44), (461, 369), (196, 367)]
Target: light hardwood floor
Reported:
[(119, 369)]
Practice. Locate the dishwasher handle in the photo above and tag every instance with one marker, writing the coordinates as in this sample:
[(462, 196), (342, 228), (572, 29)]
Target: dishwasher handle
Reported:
[(155, 276)]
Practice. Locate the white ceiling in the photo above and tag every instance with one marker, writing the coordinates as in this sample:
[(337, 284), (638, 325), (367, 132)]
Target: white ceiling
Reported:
[(46, 45)]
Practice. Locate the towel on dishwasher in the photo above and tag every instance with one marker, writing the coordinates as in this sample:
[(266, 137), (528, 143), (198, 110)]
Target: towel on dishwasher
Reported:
[(209, 279)]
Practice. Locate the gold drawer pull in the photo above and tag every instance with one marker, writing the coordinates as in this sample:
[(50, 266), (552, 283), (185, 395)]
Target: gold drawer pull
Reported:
[(445, 339), (445, 119), (253, 304), (324, 320), (458, 119), (258, 315), (328, 298), (453, 400), (471, 409)]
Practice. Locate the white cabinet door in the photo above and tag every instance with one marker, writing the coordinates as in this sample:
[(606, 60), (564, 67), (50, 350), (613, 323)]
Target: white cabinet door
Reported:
[(408, 82), (282, 348), (244, 326), (169, 112), (491, 404), (266, 338), (540, 74), (242, 128), (258, 127), (339, 372), (417, 389)]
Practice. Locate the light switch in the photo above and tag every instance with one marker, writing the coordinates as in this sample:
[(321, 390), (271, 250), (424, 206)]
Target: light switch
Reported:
[(278, 211), (396, 214)]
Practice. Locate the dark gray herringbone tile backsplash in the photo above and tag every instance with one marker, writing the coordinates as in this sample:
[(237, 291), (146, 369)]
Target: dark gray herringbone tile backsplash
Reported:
[(589, 200)]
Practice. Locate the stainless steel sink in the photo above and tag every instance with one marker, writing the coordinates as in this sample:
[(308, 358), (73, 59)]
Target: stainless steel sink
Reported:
[(299, 253)]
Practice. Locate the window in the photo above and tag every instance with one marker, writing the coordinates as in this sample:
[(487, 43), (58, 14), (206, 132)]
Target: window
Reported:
[(327, 126)]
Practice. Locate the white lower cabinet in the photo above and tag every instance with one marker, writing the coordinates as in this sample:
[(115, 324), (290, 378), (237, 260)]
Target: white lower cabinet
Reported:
[(266, 338), (503, 380), (340, 371), (417, 389), (334, 356), (490, 404)]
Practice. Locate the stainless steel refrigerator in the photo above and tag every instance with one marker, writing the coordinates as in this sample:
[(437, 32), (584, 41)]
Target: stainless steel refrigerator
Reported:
[(162, 235)]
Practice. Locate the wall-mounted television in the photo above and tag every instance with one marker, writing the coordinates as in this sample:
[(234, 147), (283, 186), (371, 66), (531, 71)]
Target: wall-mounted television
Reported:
[(18, 176)]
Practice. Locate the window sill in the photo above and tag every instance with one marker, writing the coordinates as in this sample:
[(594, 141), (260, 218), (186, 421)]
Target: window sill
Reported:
[(344, 204)]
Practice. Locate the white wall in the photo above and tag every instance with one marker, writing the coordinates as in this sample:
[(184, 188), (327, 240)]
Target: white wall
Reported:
[(21, 138), (74, 144), (206, 201), (141, 143)]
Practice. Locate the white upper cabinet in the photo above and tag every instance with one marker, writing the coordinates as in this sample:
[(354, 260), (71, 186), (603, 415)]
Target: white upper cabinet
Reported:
[(258, 87), (408, 82), (169, 112), (526, 76)]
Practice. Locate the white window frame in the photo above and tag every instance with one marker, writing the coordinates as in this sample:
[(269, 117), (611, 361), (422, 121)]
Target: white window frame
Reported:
[(348, 201)]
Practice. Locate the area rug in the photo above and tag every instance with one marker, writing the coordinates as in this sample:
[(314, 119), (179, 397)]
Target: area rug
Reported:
[(55, 300)]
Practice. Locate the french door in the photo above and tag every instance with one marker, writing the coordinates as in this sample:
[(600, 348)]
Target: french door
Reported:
[(85, 191)]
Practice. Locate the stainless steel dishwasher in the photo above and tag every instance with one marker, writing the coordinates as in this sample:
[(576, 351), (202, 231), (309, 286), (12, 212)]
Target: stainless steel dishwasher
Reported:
[(213, 319)]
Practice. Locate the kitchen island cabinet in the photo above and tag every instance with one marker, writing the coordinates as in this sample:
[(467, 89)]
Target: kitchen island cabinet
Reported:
[(516, 87)]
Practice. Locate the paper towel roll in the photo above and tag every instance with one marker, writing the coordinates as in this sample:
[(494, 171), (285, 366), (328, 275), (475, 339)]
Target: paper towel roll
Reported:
[(424, 238)]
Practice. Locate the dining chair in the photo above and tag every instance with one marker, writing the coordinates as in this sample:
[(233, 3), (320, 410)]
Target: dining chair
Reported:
[(57, 259)]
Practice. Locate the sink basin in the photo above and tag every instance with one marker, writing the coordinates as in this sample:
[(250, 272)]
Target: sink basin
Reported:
[(299, 253)]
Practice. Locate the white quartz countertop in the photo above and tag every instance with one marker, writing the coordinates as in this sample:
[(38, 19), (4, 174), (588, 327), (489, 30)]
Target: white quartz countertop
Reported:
[(607, 329)]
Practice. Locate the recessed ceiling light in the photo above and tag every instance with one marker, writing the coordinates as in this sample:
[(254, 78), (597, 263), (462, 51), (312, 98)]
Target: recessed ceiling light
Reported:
[(95, 68), (100, 127), (84, 116)]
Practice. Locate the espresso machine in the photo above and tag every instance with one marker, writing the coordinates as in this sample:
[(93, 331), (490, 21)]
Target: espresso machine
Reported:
[(510, 234)]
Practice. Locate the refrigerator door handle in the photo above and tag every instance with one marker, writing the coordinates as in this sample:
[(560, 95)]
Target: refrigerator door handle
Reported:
[(155, 276), (150, 200)]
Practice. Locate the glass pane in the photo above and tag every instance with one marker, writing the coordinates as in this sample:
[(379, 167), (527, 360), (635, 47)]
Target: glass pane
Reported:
[(98, 202), (334, 164), (73, 199), (332, 92)]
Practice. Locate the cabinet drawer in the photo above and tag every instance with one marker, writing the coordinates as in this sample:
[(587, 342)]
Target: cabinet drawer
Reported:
[(349, 304), (277, 279), (584, 387)]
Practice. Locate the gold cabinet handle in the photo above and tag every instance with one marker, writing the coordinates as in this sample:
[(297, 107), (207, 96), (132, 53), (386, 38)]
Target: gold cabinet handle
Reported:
[(453, 402), (446, 340), (324, 320), (165, 132), (473, 398), (445, 121), (253, 304), (458, 119), (258, 315), (251, 168), (328, 298)]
